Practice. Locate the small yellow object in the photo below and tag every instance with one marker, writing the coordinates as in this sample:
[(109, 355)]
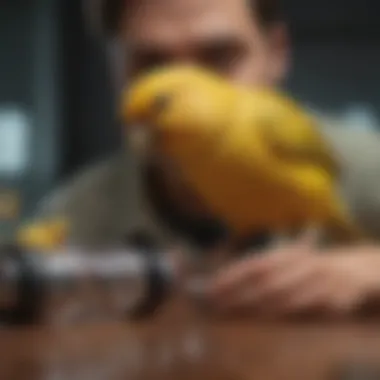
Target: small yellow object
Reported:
[(255, 157), (43, 236)]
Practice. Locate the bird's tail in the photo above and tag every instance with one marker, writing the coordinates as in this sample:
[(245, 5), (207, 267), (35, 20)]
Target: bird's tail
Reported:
[(342, 227)]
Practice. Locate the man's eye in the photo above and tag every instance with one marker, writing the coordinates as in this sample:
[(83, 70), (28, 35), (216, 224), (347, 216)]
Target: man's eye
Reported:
[(149, 62), (221, 58)]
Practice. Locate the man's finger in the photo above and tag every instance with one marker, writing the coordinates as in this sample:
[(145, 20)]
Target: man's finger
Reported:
[(311, 298), (275, 288), (254, 269)]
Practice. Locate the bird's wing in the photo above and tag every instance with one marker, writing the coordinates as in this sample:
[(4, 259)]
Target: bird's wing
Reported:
[(305, 144)]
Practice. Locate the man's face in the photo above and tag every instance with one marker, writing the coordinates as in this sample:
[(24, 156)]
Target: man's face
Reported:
[(221, 35)]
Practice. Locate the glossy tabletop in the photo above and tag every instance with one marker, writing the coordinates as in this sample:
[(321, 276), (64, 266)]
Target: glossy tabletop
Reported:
[(179, 343)]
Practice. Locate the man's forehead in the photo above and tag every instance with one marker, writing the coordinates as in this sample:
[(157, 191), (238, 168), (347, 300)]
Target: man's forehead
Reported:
[(167, 20)]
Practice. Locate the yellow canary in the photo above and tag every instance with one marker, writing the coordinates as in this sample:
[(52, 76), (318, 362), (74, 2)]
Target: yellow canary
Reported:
[(43, 236), (255, 157)]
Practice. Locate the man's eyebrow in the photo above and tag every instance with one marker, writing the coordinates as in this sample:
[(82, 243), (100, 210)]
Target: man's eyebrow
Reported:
[(223, 41), (203, 42), (142, 49)]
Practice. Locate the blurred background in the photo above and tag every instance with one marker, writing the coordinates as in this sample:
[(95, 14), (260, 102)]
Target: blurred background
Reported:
[(57, 104)]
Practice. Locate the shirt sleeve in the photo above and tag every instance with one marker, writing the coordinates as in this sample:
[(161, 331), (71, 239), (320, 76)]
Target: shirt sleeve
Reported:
[(104, 205), (358, 155)]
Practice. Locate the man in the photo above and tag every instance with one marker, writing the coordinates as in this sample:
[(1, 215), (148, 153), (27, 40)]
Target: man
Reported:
[(246, 41)]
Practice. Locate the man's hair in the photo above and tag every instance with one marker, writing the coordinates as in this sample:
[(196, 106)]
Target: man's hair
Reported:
[(104, 15)]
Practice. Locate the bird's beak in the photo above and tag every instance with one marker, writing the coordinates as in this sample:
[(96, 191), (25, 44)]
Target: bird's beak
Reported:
[(137, 130), (132, 107)]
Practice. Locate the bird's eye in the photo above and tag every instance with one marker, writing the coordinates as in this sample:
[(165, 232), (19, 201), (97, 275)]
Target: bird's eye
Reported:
[(160, 103)]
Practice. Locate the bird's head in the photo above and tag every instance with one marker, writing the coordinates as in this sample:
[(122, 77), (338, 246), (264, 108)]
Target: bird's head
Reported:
[(177, 107)]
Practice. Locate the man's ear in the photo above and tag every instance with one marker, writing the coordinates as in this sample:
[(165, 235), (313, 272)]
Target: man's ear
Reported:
[(280, 49)]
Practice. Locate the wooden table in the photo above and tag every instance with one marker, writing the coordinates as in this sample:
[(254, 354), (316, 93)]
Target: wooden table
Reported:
[(178, 344)]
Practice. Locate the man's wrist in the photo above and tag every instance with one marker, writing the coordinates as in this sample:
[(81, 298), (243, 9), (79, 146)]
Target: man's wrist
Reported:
[(371, 276)]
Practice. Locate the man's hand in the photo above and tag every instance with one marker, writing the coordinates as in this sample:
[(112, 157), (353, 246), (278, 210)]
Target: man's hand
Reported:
[(298, 279)]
